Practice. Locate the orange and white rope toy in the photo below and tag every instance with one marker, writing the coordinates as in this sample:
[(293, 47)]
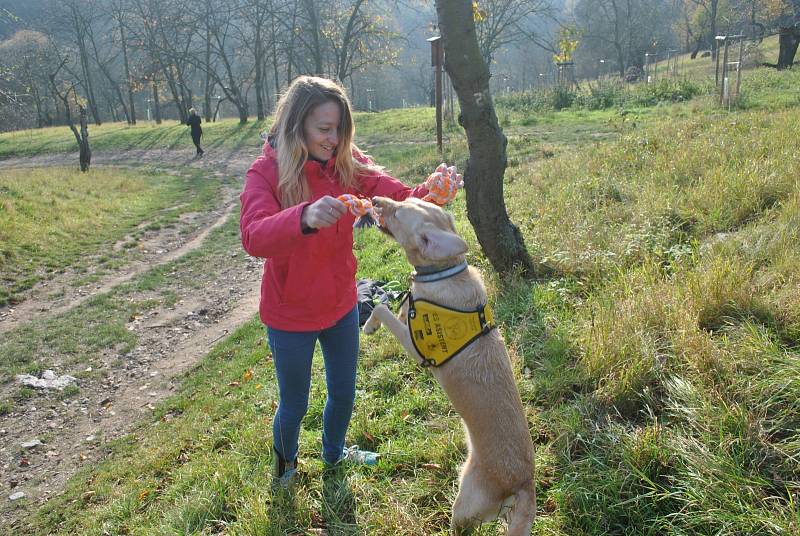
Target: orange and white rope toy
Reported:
[(362, 209), (443, 185)]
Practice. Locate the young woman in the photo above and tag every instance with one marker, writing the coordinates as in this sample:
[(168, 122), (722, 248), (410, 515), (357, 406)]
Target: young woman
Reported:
[(290, 216)]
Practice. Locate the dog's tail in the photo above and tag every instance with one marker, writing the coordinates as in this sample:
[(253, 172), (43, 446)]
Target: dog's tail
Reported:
[(520, 519)]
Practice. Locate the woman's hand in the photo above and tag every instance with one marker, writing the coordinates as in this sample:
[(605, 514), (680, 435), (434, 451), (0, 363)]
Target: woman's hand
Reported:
[(323, 212)]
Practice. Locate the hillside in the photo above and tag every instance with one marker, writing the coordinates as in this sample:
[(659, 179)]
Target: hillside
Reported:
[(659, 363)]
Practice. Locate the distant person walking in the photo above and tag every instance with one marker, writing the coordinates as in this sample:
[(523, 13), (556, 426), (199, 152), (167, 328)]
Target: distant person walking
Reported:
[(197, 131)]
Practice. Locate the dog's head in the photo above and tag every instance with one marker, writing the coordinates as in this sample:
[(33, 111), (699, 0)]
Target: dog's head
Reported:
[(426, 232)]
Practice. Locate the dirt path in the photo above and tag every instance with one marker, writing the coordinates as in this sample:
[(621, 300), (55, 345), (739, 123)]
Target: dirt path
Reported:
[(126, 388)]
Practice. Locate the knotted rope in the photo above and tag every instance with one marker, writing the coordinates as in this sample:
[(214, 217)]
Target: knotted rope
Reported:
[(362, 209)]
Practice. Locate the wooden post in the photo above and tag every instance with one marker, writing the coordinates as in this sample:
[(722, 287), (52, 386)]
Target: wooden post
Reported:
[(716, 70), (739, 67), (437, 60), (725, 90), (655, 66)]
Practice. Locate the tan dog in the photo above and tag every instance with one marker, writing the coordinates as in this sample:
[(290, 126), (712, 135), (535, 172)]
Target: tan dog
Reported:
[(478, 380)]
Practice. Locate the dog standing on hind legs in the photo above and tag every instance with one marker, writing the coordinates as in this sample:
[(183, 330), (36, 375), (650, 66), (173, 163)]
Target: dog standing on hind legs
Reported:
[(469, 360)]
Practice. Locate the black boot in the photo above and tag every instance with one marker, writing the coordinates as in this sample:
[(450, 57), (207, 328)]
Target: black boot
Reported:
[(283, 472)]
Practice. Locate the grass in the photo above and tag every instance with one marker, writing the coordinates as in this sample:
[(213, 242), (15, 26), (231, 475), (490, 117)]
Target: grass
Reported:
[(57, 218), (80, 336), (659, 364)]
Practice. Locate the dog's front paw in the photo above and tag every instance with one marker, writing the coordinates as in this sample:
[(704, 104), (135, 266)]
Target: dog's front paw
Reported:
[(372, 324)]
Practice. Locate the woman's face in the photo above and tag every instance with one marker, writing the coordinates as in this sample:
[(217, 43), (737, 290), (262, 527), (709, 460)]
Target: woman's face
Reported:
[(321, 130)]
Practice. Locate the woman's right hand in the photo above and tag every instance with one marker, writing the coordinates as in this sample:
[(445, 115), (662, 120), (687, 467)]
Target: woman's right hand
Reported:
[(323, 212)]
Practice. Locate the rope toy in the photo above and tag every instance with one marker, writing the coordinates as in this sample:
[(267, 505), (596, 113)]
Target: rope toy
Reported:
[(443, 185), (362, 209)]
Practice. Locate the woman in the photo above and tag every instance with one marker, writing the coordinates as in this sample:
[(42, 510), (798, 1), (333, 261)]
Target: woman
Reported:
[(291, 217), (193, 122)]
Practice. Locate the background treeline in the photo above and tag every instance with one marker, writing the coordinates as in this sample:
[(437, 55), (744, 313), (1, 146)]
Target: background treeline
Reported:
[(124, 60)]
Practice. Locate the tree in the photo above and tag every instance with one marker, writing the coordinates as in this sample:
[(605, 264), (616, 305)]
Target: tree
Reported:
[(500, 239), (622, 29), (259, 40), (500, 23), (165, 36), (788, 21), (119, 13), (78, 18), (229, 66), (358, 37), (62, 90), (27, 62)]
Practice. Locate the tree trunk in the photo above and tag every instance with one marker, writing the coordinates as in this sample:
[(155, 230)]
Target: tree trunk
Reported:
[(789, 38), (314, 29), (129, 82), (259, 82), (156, 104), (82, 137), (713, 22), (80, 30), (483, 177), (85, 154)]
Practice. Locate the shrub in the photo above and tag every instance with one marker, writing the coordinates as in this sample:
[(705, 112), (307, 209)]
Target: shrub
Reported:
[(665, 90), (562, 97)]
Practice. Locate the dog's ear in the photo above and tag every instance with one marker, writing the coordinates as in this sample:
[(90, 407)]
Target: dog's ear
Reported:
[(436, 245)]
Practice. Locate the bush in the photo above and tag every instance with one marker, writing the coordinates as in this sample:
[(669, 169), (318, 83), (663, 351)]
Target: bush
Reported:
[(534, 100), (562, 97), (665, 90), (600, 95)]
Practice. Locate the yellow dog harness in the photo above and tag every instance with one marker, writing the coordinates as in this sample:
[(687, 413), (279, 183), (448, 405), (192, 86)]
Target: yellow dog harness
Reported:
[(439, 333)]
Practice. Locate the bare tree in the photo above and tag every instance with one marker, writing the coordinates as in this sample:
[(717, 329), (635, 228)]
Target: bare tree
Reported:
[(261, 38), (75, 18), (357, 37), (62, 90), (310, 36), (229, 67), (165, 35), (500, 239), (503, 22), (26, 65), (118, 10)]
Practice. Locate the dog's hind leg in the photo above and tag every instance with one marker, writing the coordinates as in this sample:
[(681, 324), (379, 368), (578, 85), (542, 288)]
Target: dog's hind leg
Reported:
[(522, 515), (473, 505)]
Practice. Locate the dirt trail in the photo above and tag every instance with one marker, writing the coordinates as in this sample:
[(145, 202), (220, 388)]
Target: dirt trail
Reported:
[(126, 388)]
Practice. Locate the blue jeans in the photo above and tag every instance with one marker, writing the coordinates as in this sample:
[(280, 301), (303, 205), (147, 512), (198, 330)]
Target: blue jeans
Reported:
[(292, 353)]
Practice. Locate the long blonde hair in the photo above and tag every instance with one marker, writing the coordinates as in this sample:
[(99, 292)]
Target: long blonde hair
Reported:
[(301, 97)]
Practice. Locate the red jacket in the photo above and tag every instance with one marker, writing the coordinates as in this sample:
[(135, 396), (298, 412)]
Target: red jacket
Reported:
[(309, 278)]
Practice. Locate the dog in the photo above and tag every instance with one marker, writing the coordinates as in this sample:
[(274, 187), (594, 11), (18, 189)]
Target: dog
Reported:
[(478, 380)]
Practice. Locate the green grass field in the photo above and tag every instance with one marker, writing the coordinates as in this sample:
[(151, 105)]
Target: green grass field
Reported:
[(659, 364), (57, 218)]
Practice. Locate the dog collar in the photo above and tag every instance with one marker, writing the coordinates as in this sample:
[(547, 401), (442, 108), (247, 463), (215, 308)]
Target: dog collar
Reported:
[(423, 276), (438, 333)]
